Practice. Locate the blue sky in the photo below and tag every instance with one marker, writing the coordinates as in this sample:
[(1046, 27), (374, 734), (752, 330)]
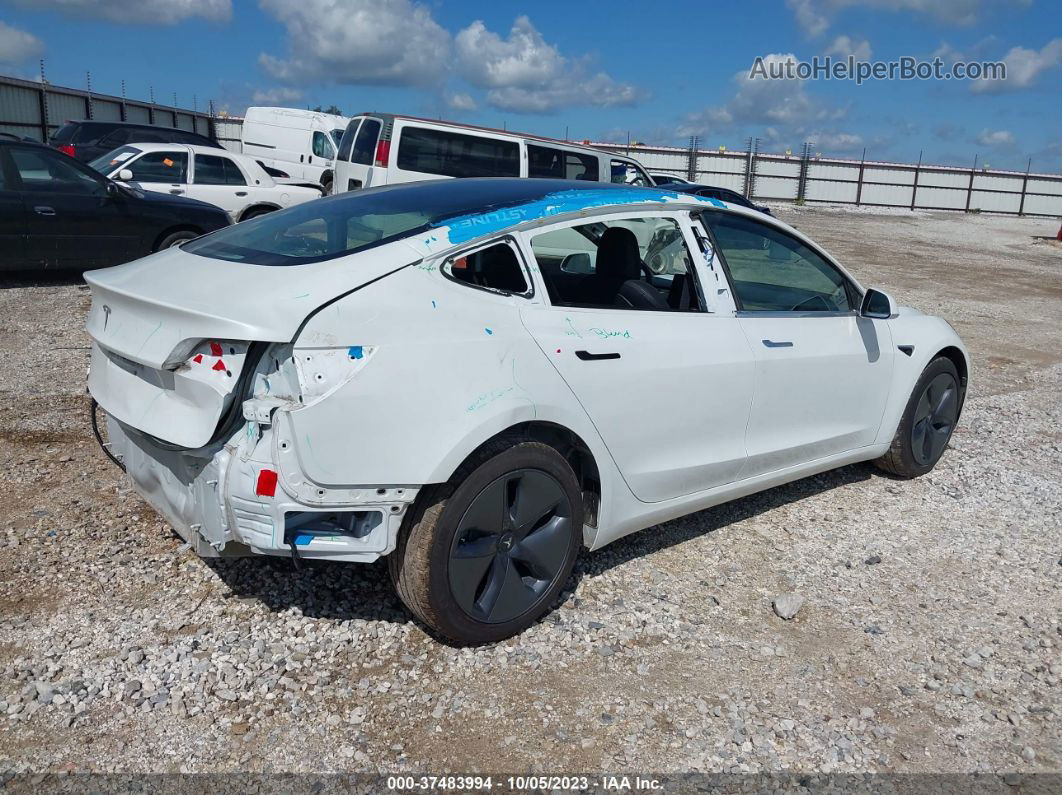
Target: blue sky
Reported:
[(659, 71)]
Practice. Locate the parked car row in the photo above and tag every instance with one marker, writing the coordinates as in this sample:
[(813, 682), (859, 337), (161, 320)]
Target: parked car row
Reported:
[(57, 213)]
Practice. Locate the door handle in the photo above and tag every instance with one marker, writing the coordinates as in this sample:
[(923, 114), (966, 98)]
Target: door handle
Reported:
[(241, 193), (42, 210), (176, 191), (779, 344), (586, 356)]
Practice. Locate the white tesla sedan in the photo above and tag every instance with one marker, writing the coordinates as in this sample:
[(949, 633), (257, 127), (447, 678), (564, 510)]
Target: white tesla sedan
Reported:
[(236, 183), (476, 377)]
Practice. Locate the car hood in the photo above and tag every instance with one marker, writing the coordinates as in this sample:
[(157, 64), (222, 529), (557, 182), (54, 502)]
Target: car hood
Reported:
[(151, 308), (169, 200)]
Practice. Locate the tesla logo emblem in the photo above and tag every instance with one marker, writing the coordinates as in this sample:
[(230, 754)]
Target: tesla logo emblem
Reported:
[(506, 542), (106, 316)]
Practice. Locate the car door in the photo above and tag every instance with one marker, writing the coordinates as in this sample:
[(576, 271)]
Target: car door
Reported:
[(73, 220), (668, 383), (361, 171), (822, 372), (218, 180), (162, 171), (13, 254)]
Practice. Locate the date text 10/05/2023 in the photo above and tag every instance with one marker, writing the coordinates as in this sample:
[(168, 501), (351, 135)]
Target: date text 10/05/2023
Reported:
[(466, 783)]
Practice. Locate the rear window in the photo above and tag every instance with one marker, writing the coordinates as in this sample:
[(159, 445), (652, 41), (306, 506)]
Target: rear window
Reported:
[(451, 154), (316, 231), (65, 134), (365, 143), (347, 141)]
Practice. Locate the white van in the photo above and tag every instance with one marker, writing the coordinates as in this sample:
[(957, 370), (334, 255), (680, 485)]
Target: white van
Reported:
[(301, 143), (382, 149)]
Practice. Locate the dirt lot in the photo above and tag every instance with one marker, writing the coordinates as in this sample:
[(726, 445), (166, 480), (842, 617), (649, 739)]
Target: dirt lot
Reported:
[(929, 639)]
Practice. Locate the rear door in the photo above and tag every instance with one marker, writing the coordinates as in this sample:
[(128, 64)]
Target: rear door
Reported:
[(218, 180), (13, 254), (361, 171), (668, 385), (72, 219)]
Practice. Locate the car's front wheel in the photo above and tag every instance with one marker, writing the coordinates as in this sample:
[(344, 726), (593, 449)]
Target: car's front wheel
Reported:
[(486, 554), (176, 238), (927, 422)]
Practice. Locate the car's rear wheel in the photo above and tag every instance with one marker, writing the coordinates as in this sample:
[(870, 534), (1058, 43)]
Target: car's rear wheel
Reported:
[(485, 555), (257, 212), (176, 238), (927, 422)]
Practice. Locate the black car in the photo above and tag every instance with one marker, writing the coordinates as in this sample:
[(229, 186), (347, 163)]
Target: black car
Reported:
[(58, 213), (710, 192), (87, 140)]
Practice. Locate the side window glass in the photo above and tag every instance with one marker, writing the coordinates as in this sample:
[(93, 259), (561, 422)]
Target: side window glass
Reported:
[(170, 167), (496, 267), (42, 171), (773, 272), (212, 170), (365, 143), (545, 161), (322, 147), (635, 263), (451, 154)]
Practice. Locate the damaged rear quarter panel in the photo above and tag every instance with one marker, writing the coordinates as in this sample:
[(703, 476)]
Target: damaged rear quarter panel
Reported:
[(450, 367)]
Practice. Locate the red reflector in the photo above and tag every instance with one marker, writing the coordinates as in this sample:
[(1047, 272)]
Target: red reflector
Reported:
[(198, 358), (383, 151), (219, 365), (215, 349), (267, 483), (66, 149)]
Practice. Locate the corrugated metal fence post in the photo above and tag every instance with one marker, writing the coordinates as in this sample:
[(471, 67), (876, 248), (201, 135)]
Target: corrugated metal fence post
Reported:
[(805, 156), (1024, 185), (914, 187), (859, 181), (691, 158), (969, 186)]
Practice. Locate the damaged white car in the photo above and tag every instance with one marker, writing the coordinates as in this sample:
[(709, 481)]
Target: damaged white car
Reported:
[(478, 377)]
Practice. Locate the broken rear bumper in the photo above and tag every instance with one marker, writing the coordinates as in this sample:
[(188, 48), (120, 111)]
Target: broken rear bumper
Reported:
[(219, 502)]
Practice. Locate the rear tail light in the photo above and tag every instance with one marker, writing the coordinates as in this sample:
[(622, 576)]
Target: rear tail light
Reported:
[(383, 152), (67, 149)]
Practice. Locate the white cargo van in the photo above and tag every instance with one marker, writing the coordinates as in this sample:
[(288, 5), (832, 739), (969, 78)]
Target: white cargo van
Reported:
[(382, 149), (300, 142)]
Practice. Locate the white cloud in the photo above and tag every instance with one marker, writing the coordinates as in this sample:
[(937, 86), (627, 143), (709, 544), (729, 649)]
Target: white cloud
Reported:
[(775, 102), (358, 41), (815, 16), (460, 101), (995, 138), (18, 45), (1024, 66), (526, 74), (146, 12), (843, 46), (276, 96)]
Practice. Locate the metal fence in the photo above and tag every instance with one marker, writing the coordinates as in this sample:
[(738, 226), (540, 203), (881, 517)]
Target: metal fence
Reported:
[(807, 177), (36, 110)]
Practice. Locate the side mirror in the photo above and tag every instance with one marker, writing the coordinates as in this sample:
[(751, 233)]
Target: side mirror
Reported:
[(125, 175), (579, 263), (878, 305)]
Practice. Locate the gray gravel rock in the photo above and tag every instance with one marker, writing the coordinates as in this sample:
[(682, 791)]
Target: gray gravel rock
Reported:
[(787, 605)]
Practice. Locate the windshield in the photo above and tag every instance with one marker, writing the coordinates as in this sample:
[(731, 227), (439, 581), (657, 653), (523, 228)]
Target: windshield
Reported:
[(337, 136), (105, 164)]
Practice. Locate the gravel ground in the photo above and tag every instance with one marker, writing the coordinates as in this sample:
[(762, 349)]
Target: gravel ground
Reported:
[(927, 637)]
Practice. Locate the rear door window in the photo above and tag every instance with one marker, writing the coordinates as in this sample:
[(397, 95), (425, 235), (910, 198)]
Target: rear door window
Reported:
[(170, 167), (347, 143), (452, 154), (213, 170), (546, 161), (43, 171), (365, 143)]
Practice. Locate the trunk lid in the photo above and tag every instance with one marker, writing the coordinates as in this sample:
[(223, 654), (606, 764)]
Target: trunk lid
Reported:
[(171, 332)]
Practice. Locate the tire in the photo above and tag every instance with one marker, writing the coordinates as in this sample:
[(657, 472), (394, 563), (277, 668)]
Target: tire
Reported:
[(326, 184), (256, 213), (176, 238), (478, 570), (921, 437)]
